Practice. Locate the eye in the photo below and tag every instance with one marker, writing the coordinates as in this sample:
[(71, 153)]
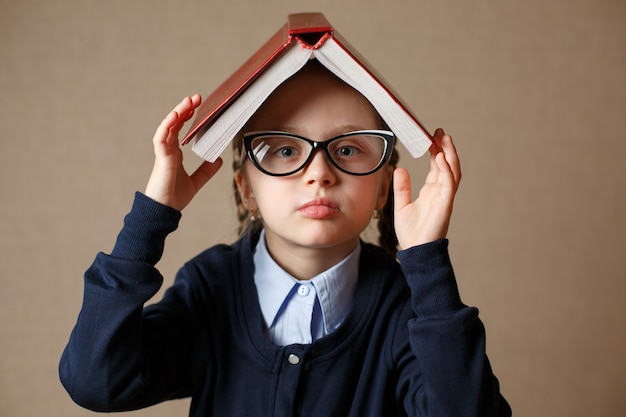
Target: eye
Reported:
[(277, 147), (348, 147), (347, 150), (286, 151)]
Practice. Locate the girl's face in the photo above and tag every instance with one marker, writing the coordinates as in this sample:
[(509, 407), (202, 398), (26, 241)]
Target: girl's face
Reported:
[(318, 207)]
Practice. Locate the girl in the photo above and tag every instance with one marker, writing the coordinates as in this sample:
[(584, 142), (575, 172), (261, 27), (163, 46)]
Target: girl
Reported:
[(299, 317)]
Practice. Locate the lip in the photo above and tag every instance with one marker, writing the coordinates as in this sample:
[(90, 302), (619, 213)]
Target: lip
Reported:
[(319, 208)]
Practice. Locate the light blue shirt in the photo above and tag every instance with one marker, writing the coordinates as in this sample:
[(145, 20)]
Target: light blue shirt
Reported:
[(303, 311)]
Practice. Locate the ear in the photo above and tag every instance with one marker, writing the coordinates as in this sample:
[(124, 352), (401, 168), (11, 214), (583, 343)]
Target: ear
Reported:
[(385, 185), (245, 192)]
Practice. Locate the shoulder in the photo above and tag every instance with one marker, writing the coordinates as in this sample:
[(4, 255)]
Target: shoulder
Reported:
[(376, 260), (224, 257), (381, 273), (211, 281)]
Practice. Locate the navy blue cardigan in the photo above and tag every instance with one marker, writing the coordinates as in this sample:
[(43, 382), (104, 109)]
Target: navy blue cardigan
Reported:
[(411, 349)]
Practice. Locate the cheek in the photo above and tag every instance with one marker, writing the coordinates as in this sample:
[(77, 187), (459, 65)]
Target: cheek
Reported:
[(267, 193), (364, 195), (374, 187)]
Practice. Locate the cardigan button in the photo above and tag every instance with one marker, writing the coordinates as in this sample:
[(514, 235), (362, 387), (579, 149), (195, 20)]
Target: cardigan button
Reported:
[(293, 359)]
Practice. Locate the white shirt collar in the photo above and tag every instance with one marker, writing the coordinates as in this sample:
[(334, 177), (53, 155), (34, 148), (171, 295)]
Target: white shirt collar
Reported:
[(335, 286)]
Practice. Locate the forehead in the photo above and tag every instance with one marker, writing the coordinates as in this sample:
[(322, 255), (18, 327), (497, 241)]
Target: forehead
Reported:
[(315, 100)]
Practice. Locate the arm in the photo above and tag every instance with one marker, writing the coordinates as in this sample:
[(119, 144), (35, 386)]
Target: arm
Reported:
[(108, 361), (448, 370), (117, 358)]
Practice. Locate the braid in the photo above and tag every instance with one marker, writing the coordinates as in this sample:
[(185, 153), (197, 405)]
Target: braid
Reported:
[(246, 223), (387, 234)]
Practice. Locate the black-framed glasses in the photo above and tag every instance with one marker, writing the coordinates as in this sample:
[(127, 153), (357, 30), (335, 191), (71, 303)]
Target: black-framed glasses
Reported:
[(279, 153)]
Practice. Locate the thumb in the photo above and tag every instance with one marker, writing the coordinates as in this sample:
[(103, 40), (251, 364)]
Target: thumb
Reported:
[(401, 189), (205, 172)]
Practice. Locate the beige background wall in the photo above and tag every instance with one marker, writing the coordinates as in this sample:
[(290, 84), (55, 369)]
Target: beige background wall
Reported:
[(533, 91)]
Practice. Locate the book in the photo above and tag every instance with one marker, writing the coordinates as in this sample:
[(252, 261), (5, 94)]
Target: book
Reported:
[(305, 36)]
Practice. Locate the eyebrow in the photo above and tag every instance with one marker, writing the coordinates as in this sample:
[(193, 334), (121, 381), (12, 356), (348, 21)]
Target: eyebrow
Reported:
[(333, 133)]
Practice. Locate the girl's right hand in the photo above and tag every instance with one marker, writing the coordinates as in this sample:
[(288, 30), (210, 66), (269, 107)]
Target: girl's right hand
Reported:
[(169, 183)]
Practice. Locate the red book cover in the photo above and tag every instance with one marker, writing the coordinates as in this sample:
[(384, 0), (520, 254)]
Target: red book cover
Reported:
[(312, 32), (309, 28)]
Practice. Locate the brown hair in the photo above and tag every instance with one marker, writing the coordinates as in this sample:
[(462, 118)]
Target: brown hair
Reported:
[(247, 222)]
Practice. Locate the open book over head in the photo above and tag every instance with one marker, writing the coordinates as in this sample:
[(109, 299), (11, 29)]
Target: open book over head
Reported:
[(305, 36)]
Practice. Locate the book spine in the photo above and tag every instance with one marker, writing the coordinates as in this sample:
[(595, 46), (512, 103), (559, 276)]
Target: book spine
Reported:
[(301, 23)]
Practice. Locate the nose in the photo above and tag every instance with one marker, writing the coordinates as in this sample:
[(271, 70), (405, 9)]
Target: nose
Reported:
[(319, 170)]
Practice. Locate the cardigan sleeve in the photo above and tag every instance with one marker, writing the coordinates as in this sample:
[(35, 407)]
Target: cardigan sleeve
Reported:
[(106, 365), (446, 372)]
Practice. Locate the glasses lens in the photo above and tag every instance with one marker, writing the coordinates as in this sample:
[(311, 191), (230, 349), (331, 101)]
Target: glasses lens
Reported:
[(359, 153), (278, 154)]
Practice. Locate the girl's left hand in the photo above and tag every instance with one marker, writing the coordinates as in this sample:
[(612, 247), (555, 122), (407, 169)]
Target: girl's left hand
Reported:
[(428, 217)]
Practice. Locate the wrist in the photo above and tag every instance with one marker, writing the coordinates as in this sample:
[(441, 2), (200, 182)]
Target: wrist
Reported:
[(145, 228)]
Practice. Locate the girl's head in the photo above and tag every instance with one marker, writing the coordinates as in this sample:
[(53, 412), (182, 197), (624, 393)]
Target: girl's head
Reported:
[(316, 202)]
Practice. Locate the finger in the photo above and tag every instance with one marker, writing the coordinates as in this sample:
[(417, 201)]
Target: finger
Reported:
[(439, 133), (445, 144), (205, 172), (433, 173), (401, 188), (163, 131), (193, 104), (173, 122), (446, 179), (196, 99), (445, 175), (184, 109), (435, 148), (451, 155)]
